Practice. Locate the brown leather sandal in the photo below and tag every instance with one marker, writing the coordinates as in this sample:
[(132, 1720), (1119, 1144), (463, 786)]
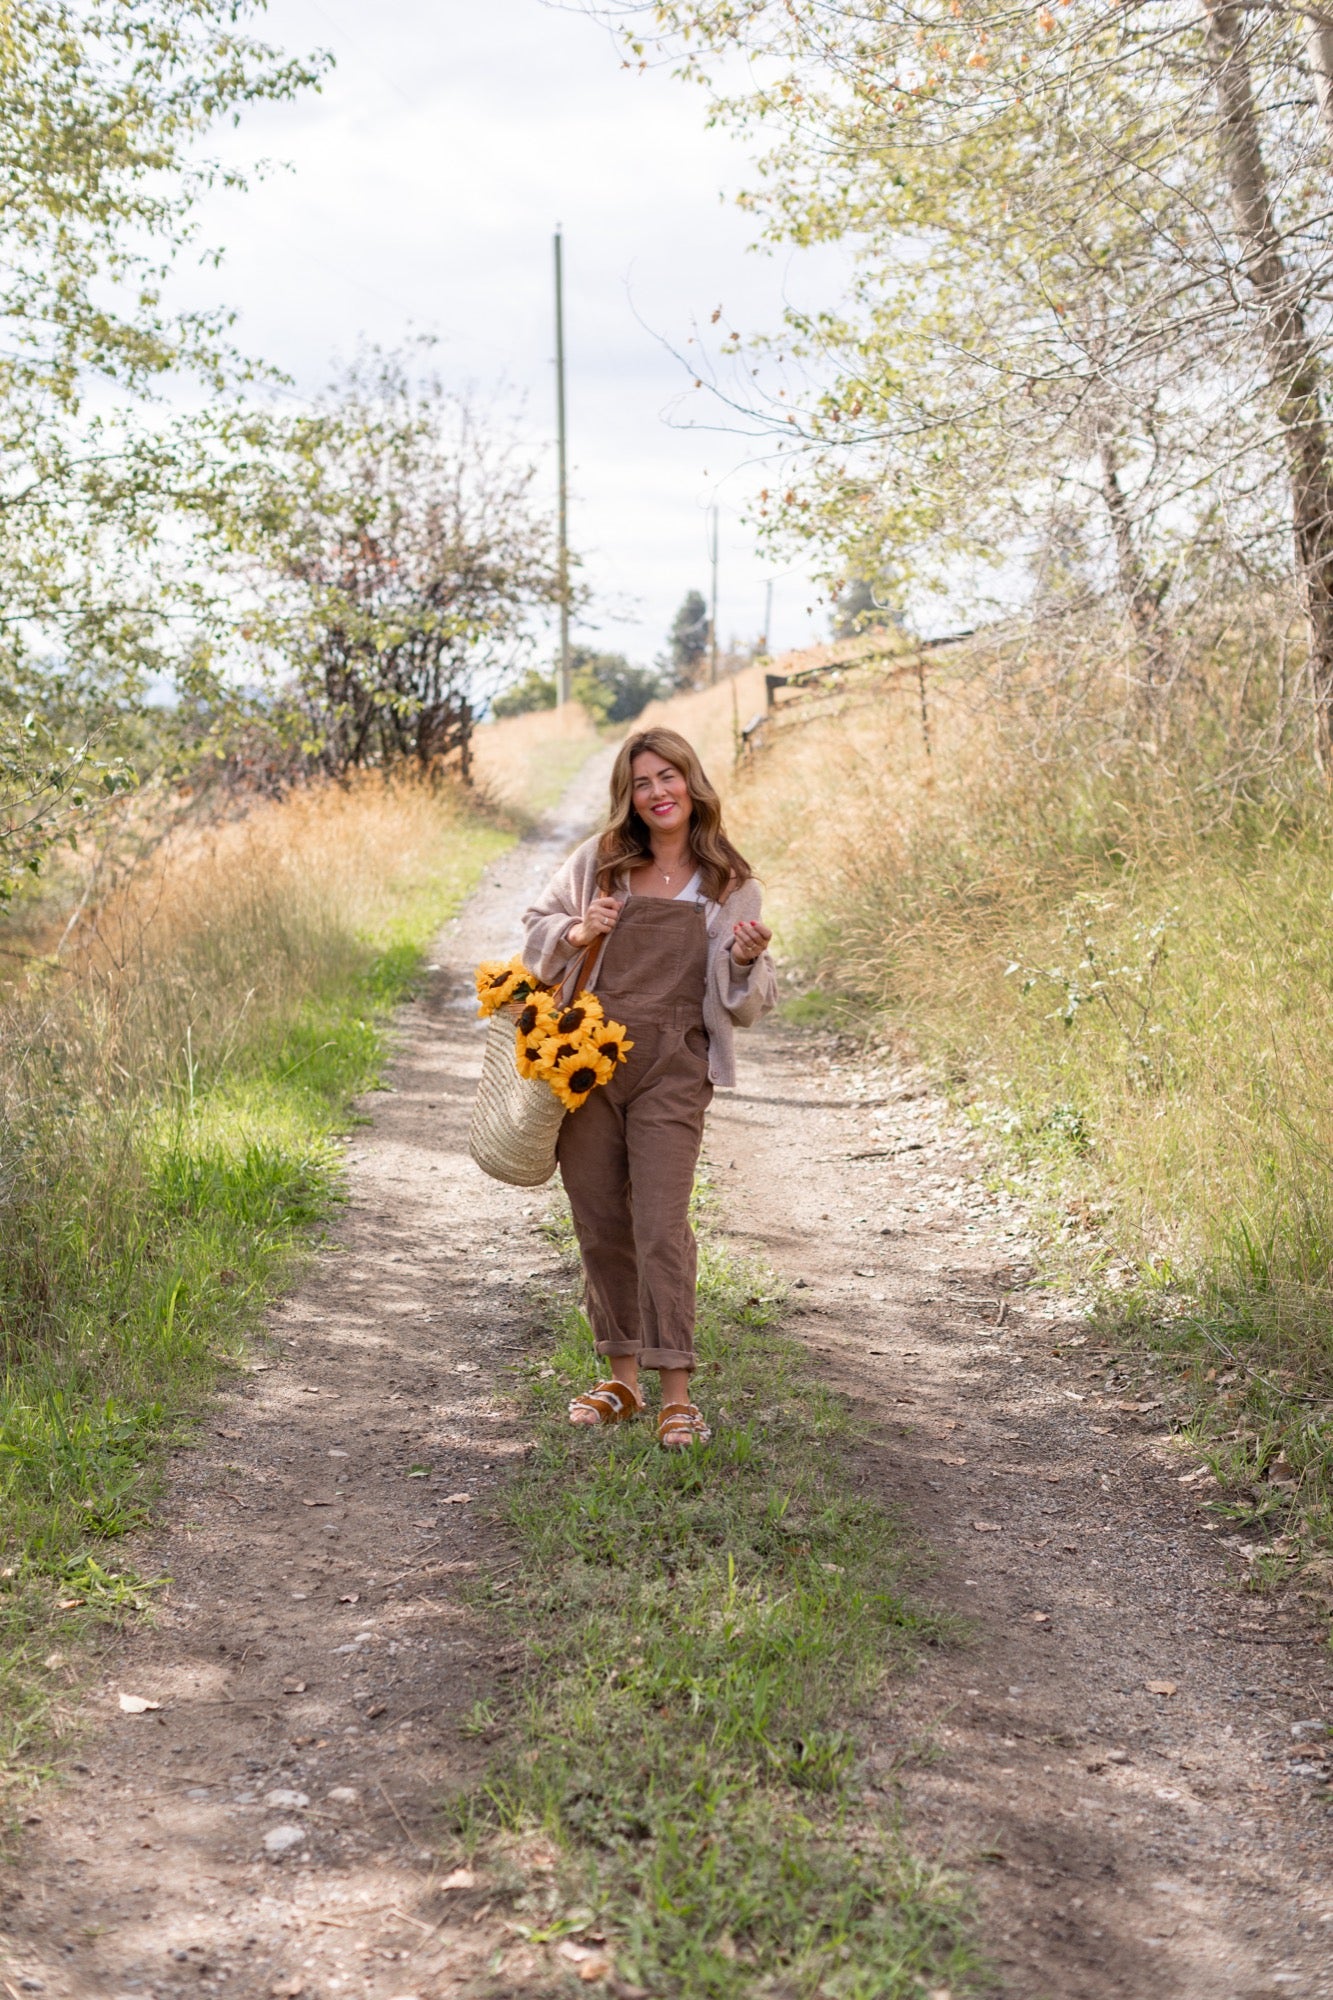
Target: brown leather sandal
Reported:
[(680, 1425), (611, 1402)]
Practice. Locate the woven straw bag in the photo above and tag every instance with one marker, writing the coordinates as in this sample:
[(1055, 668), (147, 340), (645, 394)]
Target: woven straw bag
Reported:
[(515, 1119)]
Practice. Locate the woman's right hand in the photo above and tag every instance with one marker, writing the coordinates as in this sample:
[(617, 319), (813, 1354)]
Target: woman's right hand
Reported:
[(598, 922)]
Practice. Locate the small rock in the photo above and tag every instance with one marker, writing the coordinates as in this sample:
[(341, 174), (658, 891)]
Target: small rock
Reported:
[(293, 1801), (282, 1839), (344, 1795)]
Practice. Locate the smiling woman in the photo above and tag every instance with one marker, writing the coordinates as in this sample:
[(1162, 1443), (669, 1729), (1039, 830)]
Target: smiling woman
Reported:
[(683, 960)]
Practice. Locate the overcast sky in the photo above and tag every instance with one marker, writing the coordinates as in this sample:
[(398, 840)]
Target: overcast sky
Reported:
[(421, 190)]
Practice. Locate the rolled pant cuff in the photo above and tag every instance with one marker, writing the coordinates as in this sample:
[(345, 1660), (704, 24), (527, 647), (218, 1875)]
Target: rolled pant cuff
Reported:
[(647, 1357)]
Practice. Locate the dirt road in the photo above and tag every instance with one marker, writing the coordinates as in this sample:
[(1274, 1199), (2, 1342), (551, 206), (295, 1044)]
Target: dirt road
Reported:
[(268, 1829), (1123, 1754)]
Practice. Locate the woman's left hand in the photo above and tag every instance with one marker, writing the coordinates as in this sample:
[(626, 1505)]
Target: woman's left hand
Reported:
[(749, 941)]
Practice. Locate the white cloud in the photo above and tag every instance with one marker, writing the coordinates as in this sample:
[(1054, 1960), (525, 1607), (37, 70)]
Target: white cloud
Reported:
[(424, 185)]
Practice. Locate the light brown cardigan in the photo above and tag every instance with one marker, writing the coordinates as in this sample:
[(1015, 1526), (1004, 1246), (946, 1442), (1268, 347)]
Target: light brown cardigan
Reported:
[(735, 996)]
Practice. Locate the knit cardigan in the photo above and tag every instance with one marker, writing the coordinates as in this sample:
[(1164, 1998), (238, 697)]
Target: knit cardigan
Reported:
[(735, 996)]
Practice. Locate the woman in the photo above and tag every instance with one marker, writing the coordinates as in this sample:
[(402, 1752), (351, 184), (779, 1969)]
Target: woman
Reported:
[(671, 911)]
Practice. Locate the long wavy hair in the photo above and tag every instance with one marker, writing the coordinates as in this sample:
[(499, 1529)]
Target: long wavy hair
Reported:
[(625, 839)]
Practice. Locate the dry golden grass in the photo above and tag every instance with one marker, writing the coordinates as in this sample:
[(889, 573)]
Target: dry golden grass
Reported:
[(526, 761), (1130, 989)]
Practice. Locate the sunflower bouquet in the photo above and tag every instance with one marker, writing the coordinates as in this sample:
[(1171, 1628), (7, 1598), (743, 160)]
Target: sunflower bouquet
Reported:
[(572, 1048)]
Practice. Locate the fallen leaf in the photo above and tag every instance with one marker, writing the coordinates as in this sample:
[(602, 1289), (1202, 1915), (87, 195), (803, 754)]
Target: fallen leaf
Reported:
[(136, 1704), (944, 1458), (317, 1503), (1161, 1687), (293, 1687), (230, 1434), (456, 1499), (377, 1708), (1041, 1617), (462, 1878), (71, 1603), (353, 1597), (594, 1968), (987, 1527)]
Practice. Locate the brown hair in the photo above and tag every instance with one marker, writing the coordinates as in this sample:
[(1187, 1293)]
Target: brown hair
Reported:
[(625, 842)]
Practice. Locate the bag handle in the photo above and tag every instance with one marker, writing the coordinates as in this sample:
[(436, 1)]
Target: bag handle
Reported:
[(590, 958)]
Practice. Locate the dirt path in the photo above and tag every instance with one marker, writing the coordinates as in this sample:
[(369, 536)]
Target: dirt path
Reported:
[(267, 1830), (1125, 1755)]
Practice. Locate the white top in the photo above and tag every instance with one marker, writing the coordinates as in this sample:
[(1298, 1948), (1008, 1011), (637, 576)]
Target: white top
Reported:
[(691, 888)]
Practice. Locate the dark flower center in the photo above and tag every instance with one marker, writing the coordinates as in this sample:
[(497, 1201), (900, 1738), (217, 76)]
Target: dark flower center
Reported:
[(571, 1020), (581, 1080), (565, 1049), (527, 1020)]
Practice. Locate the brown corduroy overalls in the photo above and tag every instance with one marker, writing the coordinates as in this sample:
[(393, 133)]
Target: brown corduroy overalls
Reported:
[(627, 1155)]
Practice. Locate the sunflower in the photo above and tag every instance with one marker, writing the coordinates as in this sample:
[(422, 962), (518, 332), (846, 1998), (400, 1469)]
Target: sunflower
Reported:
[(611, 1040), (584, 1011), (575, 1076), (500, 981), (528, 1056), (536, 1019)]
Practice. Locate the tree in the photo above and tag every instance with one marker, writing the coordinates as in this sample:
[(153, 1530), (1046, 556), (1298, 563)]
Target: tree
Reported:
[(535, 691), (609, 687), (687, 641), (103, 105), (1091, 259), (398, 558), (861, 604)]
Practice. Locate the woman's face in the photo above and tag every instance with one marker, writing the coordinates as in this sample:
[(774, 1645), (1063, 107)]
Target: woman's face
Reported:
[(660, 794)]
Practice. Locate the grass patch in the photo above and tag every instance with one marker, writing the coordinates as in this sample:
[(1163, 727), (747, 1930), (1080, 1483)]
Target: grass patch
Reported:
[(1115, 957), (170, 1105), (706, 1630)]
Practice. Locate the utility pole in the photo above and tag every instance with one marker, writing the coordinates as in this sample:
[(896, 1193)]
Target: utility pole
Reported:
[(712, 629), (768, 616), (562, 678)]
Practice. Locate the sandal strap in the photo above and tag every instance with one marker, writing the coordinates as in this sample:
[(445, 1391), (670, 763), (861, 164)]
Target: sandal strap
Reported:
[(685, 1417), (613, 1402)]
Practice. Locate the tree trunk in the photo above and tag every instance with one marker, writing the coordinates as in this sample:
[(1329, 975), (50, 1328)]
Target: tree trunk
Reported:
[(1292, 363), (1319, 55), (1145, 613)]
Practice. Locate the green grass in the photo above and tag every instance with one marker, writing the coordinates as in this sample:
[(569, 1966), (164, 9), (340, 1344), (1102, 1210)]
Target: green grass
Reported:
[(706, 1632), (147, 1226)]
